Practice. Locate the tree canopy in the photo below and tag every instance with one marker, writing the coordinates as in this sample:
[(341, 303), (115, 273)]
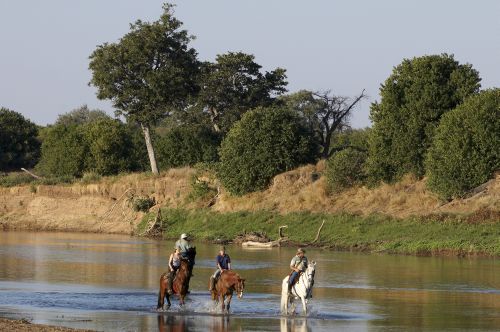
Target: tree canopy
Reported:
[(233, 85), (19, 146), (413, 99), (149, 73), (81, 115)]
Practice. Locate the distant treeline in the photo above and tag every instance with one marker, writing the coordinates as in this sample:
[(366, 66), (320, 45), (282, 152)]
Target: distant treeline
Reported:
[(432, 120)]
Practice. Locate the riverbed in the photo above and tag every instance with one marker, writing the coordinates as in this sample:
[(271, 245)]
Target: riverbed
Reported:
[(110, 283)]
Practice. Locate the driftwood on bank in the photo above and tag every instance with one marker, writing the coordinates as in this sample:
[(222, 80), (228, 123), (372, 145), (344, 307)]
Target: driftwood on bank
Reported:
[(269, 244)]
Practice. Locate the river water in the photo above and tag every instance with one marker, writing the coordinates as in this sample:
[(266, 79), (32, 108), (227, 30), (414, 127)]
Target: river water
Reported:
[(110, 283)]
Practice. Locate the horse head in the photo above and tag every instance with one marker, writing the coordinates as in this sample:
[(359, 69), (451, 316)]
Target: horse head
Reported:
[(239, 287), (311, 270)]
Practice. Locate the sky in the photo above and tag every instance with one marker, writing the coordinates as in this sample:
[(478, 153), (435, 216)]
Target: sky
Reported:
[(343, 46)]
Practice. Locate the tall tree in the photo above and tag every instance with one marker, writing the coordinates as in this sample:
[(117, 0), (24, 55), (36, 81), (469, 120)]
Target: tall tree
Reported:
[(19, 146), (324, 114), (233, 85), (148, 74), (413, 99)]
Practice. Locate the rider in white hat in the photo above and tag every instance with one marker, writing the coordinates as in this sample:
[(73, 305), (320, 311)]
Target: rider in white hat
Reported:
[(183, 245)]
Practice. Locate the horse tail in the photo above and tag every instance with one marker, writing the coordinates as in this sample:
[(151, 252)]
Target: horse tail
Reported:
[(284, 296)]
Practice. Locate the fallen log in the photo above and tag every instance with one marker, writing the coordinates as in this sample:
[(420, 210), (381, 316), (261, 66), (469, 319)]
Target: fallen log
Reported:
[(270, 244)]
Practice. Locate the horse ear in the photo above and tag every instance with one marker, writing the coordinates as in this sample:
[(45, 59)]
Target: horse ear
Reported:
[(313, 262)]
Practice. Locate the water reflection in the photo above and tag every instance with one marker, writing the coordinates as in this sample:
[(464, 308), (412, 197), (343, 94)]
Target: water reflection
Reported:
[(108, 277)]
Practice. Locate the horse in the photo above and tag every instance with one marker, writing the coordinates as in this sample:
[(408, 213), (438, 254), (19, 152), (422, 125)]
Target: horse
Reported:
[(228, 282), (302, 289), (181, 281)]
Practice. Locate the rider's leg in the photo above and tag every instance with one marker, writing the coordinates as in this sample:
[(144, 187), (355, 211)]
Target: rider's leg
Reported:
[(214, 278), (291, 281)]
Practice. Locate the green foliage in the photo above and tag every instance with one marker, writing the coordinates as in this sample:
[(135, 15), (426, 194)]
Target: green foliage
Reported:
[(356, 139), (234, 85), (413, 99), (186, 146), (266, 142), (64, 151), (143, 204), (104, 146), (108, 147), (80, 116), (149, 71), (466, 148), (19, 146), (15, 179), (345, 169)]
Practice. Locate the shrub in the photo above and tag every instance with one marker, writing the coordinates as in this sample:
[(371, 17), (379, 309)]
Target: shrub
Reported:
[(345, 169), (15, 179), (186, 146), (63, 151), (465, 151), (142, 203), (264, 143), (200, 190), (413, 99)]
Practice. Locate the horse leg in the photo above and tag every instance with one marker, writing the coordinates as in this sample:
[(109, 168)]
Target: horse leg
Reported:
[(222, 299), (161, 295), (304, 306), (181, 300), (229, 297), (284, 297), (168, 300)]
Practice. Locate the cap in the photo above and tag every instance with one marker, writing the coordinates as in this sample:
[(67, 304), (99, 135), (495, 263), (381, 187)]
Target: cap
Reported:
[(184, 236)]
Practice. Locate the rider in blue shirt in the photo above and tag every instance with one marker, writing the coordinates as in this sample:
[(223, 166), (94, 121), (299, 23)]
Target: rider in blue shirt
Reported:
[(223, 263)]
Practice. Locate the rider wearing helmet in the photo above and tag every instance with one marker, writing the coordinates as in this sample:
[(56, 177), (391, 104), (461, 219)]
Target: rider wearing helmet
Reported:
[(298, 265)]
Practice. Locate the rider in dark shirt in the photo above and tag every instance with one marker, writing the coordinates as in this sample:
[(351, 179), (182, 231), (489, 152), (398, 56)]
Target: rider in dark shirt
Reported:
[(223, 264)]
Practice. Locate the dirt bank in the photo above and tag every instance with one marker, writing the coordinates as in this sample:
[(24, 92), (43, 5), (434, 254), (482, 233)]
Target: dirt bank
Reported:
[(105, 206)]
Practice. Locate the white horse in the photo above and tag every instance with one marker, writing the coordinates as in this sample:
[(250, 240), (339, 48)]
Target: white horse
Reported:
[(302, 290)]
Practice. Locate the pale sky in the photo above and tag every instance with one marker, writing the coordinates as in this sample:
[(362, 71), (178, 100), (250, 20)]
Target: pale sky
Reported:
[(344, 46)]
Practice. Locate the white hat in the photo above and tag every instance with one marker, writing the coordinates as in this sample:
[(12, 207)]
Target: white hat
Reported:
[(184, 236)]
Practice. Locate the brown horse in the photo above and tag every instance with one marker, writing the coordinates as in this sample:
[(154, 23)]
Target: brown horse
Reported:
[(180, 285), (228, 282)]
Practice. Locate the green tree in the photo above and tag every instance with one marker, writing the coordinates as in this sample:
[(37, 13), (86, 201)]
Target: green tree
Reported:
[(148, 74), (324, 114), (264, 143), (413, 99), (64, 150), (187, 145), (233, 85), (466, 149), (19, 146), (80, 116), (109, 147), (345, 169)]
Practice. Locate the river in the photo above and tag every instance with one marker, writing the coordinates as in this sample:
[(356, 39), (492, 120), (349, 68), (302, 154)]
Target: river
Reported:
[(110, 283)]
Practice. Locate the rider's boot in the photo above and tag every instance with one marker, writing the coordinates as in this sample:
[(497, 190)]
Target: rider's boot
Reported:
[(290, 289)]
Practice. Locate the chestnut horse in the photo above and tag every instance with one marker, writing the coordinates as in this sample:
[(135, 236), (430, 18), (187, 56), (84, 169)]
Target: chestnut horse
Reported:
[(180, 285), (227, 283)]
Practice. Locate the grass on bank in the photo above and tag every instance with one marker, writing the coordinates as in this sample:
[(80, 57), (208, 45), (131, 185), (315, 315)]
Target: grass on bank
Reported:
[(345, 232)]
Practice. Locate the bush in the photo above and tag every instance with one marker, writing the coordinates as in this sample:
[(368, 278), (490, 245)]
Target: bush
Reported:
[(63, 151), (345, 169), (200, 190), (15, 179), (186, 146), (143, 203), (413, 99), (465, 151), (108, 146), (264, 143), (19, 146)]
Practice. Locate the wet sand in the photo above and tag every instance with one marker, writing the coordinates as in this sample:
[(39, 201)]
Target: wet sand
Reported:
[(26, 326)]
